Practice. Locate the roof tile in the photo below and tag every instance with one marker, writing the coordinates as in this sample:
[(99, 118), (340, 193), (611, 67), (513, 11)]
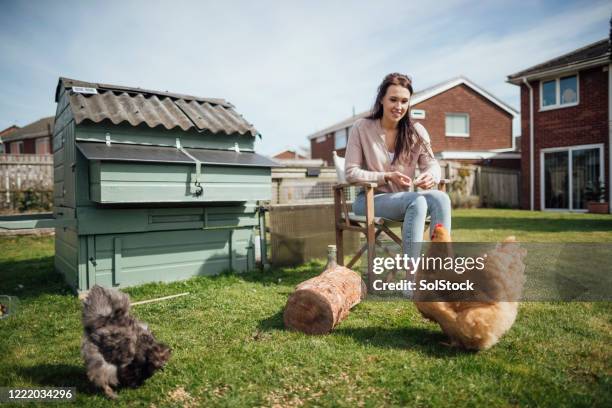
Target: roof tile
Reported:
[(589, 52)]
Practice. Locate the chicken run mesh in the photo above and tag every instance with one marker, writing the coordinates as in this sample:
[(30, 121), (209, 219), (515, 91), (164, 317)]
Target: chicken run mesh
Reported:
[(300, 233)]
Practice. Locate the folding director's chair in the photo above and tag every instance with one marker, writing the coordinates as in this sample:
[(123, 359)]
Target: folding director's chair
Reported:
[(369, 225)]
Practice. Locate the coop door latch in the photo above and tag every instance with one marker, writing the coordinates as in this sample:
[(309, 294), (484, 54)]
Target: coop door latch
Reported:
[(199, 189), (198, 176)]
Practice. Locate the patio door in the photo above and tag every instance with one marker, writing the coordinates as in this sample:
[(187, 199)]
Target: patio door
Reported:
[(566, 174)]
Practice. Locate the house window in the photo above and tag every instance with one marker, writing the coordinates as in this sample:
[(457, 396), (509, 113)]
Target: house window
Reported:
[(417, 114), (42, 145), (549, 93), (568, 174), (17, 147), (559, 92), (568, 90), (340, 139), (458, 124)]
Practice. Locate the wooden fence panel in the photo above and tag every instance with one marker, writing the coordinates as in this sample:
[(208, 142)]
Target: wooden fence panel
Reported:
[(500, 187), (26, 177), (496, 187)]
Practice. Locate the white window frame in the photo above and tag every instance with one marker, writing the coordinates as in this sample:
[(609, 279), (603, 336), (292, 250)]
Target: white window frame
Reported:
[(38, 141), (345, 131), (20, 149), (558, 104), (569, 150), (467, 115)]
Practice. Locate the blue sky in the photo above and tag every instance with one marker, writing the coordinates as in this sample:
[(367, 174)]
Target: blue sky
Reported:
[(291, 68)]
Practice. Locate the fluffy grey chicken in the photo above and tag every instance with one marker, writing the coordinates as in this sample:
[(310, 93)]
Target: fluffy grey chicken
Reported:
[(118, 349)]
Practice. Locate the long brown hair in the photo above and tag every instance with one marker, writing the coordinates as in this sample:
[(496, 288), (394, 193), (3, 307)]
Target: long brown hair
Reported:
[(405, 130)]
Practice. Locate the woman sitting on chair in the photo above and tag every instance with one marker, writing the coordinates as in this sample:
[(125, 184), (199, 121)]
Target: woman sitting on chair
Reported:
[(385, 148)]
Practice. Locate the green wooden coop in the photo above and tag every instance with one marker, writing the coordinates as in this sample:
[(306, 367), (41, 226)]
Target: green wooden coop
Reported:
[(152, 186)]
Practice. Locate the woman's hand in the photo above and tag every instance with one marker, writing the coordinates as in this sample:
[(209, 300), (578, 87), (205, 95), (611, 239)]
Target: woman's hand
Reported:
[(424, 181), (398, 178)]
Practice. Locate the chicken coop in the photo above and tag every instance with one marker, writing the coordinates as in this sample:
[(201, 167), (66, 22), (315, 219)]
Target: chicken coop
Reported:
[(152, 186)]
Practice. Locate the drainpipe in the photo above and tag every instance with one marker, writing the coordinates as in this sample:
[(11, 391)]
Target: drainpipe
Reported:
[(531, 167)]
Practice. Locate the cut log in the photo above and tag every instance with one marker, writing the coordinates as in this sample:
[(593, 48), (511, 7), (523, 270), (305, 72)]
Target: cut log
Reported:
[(321, 303)]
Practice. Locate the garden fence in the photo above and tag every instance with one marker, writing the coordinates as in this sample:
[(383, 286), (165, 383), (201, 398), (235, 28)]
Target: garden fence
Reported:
[(491, 186), (487, 186), (26, 182)]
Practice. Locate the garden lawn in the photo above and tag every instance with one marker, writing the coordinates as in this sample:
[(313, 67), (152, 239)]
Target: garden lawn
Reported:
[(230, 348)]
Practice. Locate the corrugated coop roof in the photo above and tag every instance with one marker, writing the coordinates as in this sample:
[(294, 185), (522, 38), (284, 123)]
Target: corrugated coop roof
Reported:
[(136, 106)]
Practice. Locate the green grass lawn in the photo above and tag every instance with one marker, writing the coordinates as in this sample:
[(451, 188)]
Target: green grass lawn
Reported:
[(489, 225), (230, 347)]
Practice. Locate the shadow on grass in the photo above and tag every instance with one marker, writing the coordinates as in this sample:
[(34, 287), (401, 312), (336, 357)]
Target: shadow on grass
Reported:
[(425, 340), (58, 375), (274, 322), (286, 276), (416, 338), (533, 224), (31, 278)]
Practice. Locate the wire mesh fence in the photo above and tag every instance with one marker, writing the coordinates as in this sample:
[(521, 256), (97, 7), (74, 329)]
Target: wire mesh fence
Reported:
[(304, 191), (299, 233)]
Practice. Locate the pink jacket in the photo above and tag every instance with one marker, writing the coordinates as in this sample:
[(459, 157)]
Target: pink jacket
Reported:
[(367, 158)]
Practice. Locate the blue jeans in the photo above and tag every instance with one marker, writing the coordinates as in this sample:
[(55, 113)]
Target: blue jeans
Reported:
[(411, 208)]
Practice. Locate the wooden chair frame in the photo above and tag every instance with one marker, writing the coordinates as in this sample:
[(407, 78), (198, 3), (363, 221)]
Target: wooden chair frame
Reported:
[(371, 228)]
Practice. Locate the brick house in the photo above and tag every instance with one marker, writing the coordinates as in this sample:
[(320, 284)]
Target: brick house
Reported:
[(466, 124), (291, 158), (34, 138), (5, 133), (289, 155), (566, 124)]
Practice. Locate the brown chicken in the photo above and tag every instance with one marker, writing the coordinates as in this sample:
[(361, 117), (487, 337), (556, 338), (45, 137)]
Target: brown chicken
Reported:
[(478, 325)]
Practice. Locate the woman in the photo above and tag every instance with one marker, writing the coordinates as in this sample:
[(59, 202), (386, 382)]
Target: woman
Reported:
[(385, 148)]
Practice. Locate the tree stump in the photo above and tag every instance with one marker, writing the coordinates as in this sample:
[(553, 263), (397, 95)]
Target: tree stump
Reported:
[(321, 303)]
